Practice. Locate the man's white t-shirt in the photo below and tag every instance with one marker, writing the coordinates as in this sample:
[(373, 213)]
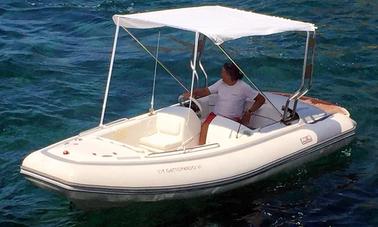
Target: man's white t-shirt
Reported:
[(231, 99)]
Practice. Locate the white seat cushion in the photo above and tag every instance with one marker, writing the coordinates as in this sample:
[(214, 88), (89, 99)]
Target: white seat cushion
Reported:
[(171, 130), (161, 141), (169, 124)]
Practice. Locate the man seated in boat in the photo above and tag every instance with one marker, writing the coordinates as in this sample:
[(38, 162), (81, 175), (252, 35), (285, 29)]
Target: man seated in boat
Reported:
[(233, 93)]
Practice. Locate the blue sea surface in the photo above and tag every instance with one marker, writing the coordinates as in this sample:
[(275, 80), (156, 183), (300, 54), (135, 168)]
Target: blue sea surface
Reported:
[(54, 61)]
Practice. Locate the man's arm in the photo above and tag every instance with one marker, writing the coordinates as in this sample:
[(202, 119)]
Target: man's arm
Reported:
[(198, 93), (259, 101)]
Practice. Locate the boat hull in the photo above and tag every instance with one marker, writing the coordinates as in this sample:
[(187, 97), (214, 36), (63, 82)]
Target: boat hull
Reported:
[(89, 196), (105, 166)]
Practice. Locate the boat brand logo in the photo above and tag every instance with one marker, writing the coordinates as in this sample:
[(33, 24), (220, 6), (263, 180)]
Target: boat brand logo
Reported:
[(178, 169), (306, 139)]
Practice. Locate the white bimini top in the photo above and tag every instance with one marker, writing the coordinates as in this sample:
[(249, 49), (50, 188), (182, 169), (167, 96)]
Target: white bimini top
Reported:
[(218, 23)]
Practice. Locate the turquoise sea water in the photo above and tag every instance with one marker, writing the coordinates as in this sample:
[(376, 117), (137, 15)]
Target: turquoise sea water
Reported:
[(53, 66)]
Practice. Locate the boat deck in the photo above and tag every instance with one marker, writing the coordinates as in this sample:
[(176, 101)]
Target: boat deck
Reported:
[(325, 106)]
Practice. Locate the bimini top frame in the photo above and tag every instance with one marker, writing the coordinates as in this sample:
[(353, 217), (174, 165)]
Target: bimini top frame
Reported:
[(219, 24)]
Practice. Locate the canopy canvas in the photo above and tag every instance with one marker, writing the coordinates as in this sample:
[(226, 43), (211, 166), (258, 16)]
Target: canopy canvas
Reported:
[(218, 23)]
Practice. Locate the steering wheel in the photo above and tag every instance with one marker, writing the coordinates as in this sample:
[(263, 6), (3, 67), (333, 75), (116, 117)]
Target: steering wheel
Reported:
[(196, 106)]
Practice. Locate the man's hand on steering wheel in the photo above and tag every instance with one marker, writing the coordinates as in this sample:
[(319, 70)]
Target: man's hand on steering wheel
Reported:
[(196, 106), (186, 95)]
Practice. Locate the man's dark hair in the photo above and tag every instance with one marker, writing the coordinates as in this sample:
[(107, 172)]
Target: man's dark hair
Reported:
[(233, 70)]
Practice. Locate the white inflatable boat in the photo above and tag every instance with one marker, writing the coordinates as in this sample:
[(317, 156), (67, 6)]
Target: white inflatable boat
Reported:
[(156, 155)]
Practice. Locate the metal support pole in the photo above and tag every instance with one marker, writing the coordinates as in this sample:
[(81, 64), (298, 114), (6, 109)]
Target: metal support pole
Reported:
[(151, 110), (204, 73), (194, 71), (305, 59), (109, 74), (200, 51), (307, 68), (306, 77), (312, 46)]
